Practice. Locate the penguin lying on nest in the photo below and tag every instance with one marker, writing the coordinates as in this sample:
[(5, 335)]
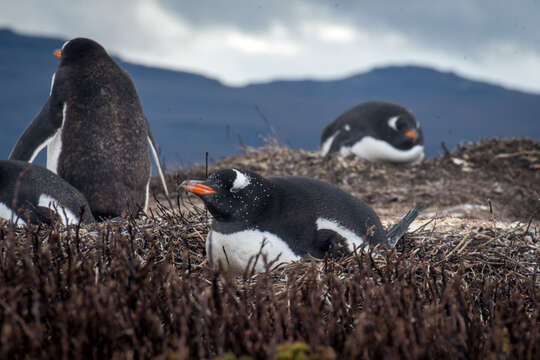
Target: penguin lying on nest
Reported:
[(293, 216), (32, 193), (376, 131)]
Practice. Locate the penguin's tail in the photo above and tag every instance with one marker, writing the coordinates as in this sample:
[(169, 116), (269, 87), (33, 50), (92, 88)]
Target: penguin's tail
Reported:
[(398, 230)]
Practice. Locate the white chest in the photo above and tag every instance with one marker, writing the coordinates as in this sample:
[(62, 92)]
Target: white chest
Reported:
[(66, 215), (7, 214), (377, 150), (54, 146), (235, 251)]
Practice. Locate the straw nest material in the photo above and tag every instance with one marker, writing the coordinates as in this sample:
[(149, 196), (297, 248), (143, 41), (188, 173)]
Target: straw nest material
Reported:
[(463, 283)]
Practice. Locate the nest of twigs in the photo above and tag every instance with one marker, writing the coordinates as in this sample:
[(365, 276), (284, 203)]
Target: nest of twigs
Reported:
[(142, 288), (501, 174)]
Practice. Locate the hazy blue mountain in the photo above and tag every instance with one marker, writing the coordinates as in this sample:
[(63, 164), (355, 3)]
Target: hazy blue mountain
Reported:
[(190, 114)]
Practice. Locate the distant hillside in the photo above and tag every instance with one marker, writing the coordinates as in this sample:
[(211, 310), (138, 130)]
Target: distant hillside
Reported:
[(190, 114)]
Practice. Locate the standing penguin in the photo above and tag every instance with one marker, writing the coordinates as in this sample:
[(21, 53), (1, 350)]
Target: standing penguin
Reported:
[(293, 216), (95, 131), (31, 192), (376, 131)]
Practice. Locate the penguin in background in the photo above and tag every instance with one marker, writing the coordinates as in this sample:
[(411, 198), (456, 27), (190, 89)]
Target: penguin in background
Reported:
[(294, 217), (95, 131), (376, 131), (31, 192)]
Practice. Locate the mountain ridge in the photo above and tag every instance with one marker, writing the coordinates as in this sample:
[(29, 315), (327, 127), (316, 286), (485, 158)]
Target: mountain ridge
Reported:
[(191, 113)]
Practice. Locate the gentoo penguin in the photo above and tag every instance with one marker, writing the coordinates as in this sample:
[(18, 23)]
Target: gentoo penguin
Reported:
[(31, 192), (95, 131), (376, 131), (294, 216)]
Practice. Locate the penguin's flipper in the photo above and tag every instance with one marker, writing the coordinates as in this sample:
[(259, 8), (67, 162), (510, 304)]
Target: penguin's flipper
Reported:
[(153, 146), (328, 131), (398, 230), (39, 133), (341, 138)]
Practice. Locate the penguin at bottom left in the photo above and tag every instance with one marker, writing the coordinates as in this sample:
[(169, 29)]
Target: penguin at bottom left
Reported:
[(31, 193)]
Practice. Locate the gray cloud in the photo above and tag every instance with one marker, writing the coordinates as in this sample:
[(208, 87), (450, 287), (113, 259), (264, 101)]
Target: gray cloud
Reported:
[(459, 24), (246, 40)]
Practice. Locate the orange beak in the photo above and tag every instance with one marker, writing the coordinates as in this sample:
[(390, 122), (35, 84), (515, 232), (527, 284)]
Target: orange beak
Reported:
[(58, 53), (196, 187), (411, 134)]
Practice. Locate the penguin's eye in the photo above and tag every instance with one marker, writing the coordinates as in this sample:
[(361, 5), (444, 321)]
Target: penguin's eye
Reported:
[(392, 122), (401, 125)]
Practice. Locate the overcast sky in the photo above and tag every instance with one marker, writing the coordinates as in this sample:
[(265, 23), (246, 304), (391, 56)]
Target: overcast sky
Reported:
[(240, 41)]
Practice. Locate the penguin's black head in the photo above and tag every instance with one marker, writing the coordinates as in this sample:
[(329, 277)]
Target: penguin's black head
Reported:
[(232, 194), (79, 48), (401, 130)]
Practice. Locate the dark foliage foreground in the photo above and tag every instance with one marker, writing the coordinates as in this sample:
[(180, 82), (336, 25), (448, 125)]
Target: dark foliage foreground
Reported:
[(142, 290)]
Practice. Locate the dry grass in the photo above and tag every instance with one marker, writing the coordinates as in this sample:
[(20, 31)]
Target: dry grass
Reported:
[(503, 172), (453, 288)]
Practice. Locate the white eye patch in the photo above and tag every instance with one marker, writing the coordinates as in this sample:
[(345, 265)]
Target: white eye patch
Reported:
[(392, 122), (64, 44), (240, 182)]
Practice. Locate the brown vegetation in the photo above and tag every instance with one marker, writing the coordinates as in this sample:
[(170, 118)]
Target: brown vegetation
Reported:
[(453, 288)]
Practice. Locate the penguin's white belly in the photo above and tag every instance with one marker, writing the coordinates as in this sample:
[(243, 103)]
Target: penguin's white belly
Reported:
[(7, 214), (66, 215), (375, 150), (53, 151), (235, 250), (54, 146), (353, 241)]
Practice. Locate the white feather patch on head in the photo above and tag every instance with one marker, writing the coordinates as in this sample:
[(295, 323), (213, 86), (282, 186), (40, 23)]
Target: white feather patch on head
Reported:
[(353, 240), (64, 44), (240, 182), (8, 214), (327, 144), (347, 127), (392, 122), (66, 215)]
